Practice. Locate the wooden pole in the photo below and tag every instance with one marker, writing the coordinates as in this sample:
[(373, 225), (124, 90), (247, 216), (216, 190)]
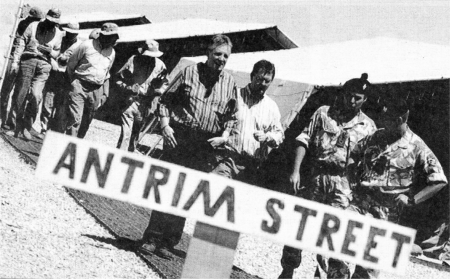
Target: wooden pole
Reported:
[(11, 42)]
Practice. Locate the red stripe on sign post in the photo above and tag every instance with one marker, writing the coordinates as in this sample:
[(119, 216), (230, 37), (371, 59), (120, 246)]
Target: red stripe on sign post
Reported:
[(210, 253)]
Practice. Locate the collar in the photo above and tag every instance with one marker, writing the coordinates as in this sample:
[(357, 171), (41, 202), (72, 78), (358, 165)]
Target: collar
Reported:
[(249, 96), (203, 68), (404, 141)]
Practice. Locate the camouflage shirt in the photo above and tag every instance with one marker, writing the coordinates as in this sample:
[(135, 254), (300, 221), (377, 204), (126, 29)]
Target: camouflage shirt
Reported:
[(386, 170), (331, 141)]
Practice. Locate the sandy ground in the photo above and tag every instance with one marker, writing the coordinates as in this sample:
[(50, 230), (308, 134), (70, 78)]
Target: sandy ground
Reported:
[(45, 234)]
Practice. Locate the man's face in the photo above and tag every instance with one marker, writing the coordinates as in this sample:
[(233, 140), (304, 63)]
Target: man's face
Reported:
[(217, 58), (355, 100), (108, 40), (260, 82)]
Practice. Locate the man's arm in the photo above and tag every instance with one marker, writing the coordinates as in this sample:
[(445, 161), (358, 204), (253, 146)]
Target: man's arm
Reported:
[(21, 43), (167, 100), (74, 60), (294, 178), (274, 134)]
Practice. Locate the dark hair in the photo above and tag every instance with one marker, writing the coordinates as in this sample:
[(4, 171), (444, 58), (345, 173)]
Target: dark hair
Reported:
[(395, 107), (219, 40), (264, 65)]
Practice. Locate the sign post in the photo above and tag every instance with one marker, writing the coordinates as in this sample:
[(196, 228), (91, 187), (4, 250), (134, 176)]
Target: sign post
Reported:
[(227, 204)]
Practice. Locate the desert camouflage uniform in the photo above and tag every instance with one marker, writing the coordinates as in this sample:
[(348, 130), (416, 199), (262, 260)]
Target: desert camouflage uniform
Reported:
[(386, 171), (330, 142), (404, 167)]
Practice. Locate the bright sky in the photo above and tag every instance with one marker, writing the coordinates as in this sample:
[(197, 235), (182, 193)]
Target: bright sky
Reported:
[(306, 22)]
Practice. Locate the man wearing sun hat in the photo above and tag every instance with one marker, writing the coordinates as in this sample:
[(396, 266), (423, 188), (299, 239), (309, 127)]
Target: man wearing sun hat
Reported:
[(88, 72), (142, 79), (53, 114), (34, 14), (40, 43)]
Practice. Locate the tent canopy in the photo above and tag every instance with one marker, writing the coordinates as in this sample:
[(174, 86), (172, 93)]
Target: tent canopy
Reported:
[(384, 59), (96, 19), (189, 28)]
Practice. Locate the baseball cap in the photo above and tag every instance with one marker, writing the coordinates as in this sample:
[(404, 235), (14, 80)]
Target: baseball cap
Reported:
[(152, 48), (54, 15)]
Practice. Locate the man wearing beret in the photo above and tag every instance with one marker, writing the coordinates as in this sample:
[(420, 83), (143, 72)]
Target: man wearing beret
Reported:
[(40, 43), (332, 133), (88, 73)]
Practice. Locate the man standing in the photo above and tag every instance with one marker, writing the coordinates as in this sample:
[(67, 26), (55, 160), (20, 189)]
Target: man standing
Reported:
[(258, 128), (138, 79), (197, 109), (330, 137), (53, 113), (34, 14), (88, 71), (40, 43), (395, 170)]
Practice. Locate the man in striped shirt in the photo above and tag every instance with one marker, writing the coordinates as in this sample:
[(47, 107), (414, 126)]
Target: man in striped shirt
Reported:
[(197, 112), (258, 128)]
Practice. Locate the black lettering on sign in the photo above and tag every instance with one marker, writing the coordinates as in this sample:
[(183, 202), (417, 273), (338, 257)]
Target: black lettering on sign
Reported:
[(132, 165), (94, 160), (401, 239), (178, 189), (152, 182), (306, 212), (71, 152), (371, 243), (350, 237), (226, 196), (276, 218), (326, 230)]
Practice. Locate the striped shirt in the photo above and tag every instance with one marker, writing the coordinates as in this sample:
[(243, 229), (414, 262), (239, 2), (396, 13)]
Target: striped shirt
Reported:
[(256, 114), (200, 104), (89, 62)]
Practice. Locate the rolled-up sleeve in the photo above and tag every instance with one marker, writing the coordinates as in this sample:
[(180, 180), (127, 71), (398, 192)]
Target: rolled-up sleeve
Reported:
[(307, 133)]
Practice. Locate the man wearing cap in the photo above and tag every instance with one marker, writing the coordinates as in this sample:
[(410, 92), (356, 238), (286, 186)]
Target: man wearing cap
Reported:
[(88, 71), (53, 114), (34, 14), (331, 135), (197, 111), (141, 79), (395, 171), (40, 43)]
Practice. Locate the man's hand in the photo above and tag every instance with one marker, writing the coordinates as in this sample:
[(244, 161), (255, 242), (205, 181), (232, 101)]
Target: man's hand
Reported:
[(294, 179), (14, 68), (46, 50), (260, 136), (402, 200), (134, 88), (169, 137), (217, 141)]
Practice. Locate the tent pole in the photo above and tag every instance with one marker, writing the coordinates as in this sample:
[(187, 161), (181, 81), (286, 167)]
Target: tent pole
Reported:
[(11, 42)]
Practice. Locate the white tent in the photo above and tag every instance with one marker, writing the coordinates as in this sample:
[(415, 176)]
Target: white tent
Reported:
[(384, 59)]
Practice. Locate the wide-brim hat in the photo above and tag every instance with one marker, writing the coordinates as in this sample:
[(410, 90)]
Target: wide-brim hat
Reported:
[(35, 12), (151, 48), (53, 15), (109, 29), (72, 27)]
